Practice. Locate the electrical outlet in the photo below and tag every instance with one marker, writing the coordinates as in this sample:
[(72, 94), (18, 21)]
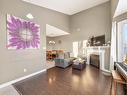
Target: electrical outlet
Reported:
[(25, 70)]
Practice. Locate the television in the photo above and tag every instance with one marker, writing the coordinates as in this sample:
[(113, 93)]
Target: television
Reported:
[(97, 41)]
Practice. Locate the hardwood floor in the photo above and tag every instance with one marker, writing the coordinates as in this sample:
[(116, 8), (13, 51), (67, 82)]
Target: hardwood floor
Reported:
[(58, 81)]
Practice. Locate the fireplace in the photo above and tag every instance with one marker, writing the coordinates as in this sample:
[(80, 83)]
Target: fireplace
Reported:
[(99, 57), (94, 60)]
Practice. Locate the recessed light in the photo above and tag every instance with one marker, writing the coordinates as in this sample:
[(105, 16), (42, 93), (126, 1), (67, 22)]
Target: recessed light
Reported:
[(30, 16)]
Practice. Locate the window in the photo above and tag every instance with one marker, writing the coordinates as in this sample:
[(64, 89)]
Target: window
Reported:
[(84, 47), (79, 48), (125, 40), (75, 49), (122, 40)]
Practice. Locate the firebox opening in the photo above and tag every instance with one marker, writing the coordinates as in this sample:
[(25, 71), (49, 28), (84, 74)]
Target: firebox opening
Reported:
[(94, 60)]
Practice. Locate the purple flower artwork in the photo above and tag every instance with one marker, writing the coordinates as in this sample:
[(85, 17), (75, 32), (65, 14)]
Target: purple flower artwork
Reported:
[(22, 34)]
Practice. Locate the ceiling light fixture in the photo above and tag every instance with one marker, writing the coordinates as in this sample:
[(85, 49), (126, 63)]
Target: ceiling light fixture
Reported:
[(29, 16), (52, 42)]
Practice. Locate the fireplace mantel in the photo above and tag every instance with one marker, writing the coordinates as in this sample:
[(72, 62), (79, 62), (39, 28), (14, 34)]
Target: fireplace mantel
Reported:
[(104, 56), (98, 47)]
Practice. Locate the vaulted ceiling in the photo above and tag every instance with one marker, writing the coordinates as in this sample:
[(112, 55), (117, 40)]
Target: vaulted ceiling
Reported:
[(121, 7), (69, 7)]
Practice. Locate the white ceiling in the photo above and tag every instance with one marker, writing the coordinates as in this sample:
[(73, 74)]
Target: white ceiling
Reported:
[(121, 8), (52, 31), (69, 7)]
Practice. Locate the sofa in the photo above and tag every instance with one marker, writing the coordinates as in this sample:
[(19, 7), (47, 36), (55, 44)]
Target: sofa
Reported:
[(63, 63), (63, 60)]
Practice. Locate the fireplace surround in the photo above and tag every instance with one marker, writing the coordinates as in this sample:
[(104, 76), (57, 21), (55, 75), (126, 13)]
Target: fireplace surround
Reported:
[(104, 56)]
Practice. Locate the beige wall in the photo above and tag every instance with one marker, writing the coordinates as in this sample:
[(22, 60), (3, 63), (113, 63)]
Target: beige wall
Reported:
[(94, 21), (13, 62)]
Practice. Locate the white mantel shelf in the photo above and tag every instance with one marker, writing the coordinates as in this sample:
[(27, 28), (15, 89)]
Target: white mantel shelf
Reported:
[(97, 47)]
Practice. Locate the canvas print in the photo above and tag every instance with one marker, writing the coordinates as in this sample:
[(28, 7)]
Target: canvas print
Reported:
[(22, 34)]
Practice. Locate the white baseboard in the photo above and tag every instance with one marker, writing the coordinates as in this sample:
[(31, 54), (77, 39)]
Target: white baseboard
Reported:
[(19, 79)]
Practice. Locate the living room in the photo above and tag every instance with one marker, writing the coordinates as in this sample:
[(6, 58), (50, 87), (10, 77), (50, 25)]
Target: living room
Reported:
[(75, 41), (63, 47)]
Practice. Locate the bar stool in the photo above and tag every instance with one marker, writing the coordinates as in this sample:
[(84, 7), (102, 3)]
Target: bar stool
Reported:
[(117, 78)]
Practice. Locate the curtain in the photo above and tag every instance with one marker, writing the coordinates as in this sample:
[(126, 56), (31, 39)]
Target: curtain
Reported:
[(113, 57)]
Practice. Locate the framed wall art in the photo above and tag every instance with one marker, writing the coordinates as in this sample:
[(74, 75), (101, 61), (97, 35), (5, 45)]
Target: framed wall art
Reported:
[(22, 34)]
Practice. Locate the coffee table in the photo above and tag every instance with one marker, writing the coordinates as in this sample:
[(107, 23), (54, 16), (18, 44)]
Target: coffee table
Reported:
[(80, 65)]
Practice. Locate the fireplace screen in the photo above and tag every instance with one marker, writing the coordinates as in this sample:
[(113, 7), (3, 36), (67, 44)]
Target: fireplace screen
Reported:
[(94, 60)]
